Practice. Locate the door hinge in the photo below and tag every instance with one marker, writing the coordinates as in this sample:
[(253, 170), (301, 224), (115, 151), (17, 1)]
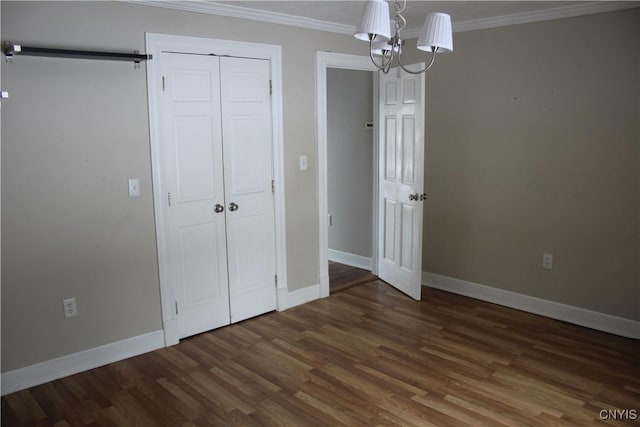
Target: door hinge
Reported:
[(176, 308), (273, 186), (276, 277), (163, 87), (169, 198), (270, 88)]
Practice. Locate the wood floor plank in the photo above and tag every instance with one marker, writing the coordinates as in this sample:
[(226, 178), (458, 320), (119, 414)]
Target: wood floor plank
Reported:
[(366, 356), (343, 277)]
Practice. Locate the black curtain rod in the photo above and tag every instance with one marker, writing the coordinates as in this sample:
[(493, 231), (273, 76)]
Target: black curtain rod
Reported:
[(11, 50)]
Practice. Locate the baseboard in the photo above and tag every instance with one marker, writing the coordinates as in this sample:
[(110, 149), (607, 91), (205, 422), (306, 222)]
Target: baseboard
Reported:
[(349, 259), (567, 313), (287, 300), (40, 373)]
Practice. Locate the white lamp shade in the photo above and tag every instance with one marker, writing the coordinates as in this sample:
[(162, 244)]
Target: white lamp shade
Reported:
[(379, 46), (374, 21), (436, 33)]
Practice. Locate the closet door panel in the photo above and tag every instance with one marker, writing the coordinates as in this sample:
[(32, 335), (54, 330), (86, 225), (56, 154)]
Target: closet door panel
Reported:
[(246, 125), (192, 141)]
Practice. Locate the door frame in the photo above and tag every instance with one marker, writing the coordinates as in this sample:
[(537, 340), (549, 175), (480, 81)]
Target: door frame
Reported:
[(343, 61), (155, 44)]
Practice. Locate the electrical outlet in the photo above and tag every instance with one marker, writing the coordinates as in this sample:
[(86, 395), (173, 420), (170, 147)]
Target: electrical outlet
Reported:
[(69, 307), (547, 261)]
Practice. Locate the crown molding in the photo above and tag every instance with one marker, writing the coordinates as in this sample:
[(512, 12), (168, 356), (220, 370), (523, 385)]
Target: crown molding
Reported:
[(220, 9), (544, 15)]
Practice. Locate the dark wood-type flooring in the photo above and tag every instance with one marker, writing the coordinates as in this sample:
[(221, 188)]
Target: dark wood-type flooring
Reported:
[(343, 277), (367, 356)]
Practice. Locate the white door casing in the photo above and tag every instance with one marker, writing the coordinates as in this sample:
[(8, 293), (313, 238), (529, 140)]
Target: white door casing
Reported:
[(401, 175), (157, 44), (246, 124)]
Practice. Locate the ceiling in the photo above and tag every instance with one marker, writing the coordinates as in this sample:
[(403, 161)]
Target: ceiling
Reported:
[(343, 16)]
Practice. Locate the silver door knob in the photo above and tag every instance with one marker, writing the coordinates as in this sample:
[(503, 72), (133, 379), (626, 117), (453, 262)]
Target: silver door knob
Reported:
[(218, 208), (423, 196), (233, 207), (414, 196)]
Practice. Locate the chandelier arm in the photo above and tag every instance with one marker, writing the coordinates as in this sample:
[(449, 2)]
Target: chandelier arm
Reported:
[(392, 54), (433, 59), (384, 65)]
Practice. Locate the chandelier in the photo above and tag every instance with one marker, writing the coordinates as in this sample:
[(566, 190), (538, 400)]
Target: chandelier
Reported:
[(377, 26)]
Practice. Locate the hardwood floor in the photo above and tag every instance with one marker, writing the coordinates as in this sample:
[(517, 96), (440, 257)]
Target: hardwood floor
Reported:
[(367, 356), (343, 277)]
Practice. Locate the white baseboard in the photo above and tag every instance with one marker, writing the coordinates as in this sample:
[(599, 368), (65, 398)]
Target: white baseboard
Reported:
[(287, 300), (40, 373), (350, 259), (567, 313)]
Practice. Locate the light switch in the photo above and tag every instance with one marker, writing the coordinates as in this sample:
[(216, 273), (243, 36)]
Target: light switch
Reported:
[(303, 163), (134, 187)]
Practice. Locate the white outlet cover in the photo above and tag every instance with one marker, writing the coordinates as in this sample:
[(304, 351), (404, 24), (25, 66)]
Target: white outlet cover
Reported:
[(134, 187), (70, 308)]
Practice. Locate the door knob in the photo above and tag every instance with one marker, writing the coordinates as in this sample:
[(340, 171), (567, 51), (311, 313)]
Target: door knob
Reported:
[(423, 196), (218, 208), (233, 207), (414, 196)]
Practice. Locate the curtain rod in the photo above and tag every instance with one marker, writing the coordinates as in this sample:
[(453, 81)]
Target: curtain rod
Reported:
[(11, 50)]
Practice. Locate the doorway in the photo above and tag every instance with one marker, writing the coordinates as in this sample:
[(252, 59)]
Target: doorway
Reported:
[(398, 178), (325, 61), (350, 165)]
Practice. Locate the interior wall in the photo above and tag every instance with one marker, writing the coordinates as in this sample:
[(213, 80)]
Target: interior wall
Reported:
[(533, 146), (350, 160), (74, 131)]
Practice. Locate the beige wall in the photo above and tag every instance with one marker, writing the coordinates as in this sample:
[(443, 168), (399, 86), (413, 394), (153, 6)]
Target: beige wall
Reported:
[(533, 146), (74, 131)]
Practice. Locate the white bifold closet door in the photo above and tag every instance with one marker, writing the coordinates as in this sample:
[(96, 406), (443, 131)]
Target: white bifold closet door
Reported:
[(218, 172)]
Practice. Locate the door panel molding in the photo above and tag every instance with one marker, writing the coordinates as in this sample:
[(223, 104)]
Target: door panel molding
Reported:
[(155, 45)]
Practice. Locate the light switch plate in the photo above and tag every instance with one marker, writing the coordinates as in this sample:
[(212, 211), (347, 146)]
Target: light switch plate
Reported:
[(134, 187), (303, 163)]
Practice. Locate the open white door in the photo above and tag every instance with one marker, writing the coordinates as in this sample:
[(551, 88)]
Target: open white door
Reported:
[(401, 180)]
